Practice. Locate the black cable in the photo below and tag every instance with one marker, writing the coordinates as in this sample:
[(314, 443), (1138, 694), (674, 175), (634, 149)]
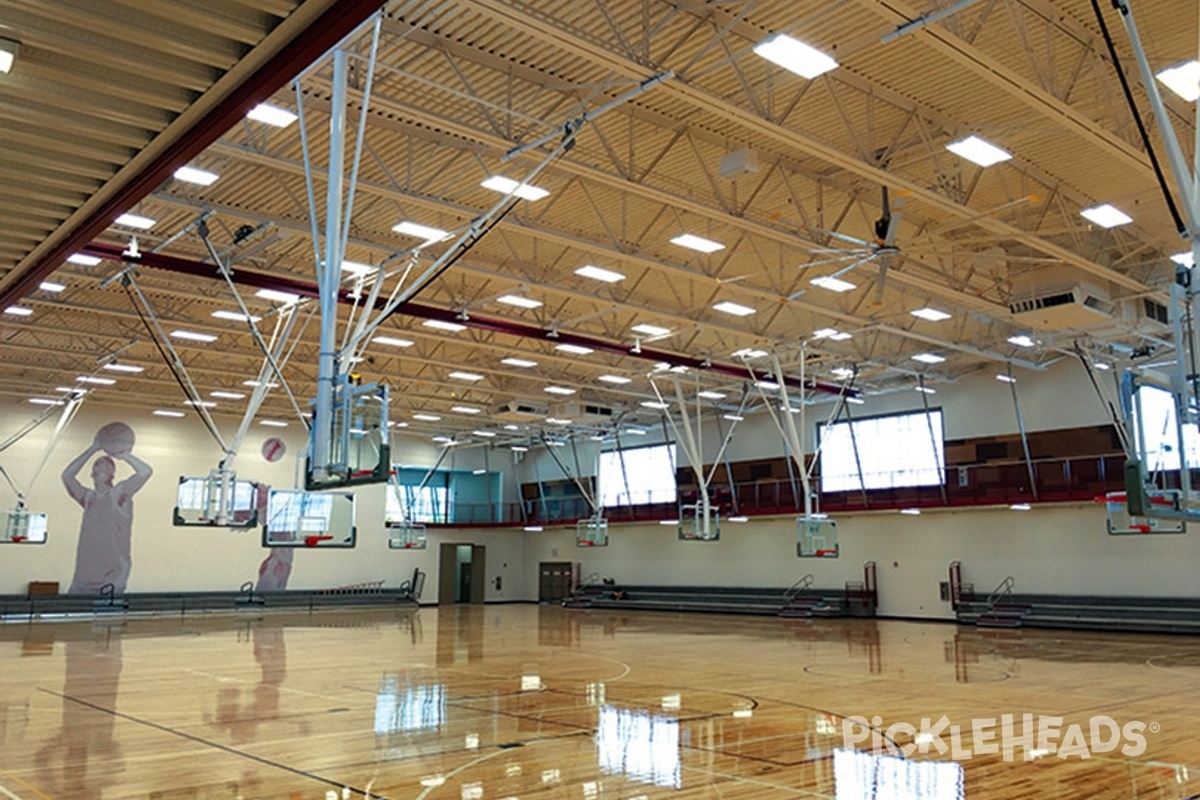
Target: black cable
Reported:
[(1137, 117), (167, 360), (1117, 421)]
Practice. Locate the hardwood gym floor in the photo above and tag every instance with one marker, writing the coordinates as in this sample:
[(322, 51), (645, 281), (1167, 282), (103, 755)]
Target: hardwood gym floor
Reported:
[(521, 701)]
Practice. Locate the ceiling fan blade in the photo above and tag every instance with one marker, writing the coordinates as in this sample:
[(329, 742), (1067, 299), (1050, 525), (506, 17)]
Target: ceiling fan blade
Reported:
[(843, 237), (846, 269), (885, 261)]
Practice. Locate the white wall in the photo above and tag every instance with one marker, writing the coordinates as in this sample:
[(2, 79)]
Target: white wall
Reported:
[(1050, 550)]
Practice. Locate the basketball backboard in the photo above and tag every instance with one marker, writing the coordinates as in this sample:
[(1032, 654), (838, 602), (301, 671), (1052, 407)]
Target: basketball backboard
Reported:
[(816, 537), (297, 518)]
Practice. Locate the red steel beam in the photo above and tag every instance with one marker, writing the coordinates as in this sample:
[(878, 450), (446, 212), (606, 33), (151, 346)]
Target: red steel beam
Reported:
[(310, 44), (258, 280)]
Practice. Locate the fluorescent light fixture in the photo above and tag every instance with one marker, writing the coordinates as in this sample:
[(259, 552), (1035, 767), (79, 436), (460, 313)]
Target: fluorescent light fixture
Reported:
[(794, 56), (858, 401), (978, 151), (272, 115), (466, 409), (1184, 259), (253, 383), (8, 54), (574, 349), (732, 417), (513, 361), (558, 421), (636, 431), (95, 381), (518, 301), (832, 284), (200, 403), (749, 352), (277, 296), (563, 390), (18, 311), (45, 401), (442, 439), (465, 376), (1182, 79), (615, 379), (931, 314), (51, 286), (193, 336), (711, 395), (135, 221), (519, 448), (357, 267), (272, 423), (1005, 378), (164, 412), (737, 309), (599, 274), (1102, 365), (485, 434), (911, 512), (1020, 507), (768, 385), (929, 358), (525, 191), (738, 518), (531, 528), (511, 427), (131, 369), (478, 472), (392, 341), (235, 316), (429, 234), (654, 404), (832, 334), (842, 373), (83, 259), (668, 522), (423, 417), (698, 243), (224, 395), (1106, 216), (200, 177), (1021, 340), (651, 330), (924, 390), (555, 443), (442, 325)]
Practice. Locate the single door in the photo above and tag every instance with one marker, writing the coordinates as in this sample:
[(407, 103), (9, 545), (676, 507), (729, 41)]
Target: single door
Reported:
[(478, 583)]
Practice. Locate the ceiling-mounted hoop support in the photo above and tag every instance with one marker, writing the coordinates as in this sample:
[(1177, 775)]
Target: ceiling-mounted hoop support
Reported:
[(688, 433)]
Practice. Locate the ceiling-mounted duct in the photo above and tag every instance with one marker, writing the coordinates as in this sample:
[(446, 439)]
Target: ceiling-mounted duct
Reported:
[(518, 411), (1079, 306)]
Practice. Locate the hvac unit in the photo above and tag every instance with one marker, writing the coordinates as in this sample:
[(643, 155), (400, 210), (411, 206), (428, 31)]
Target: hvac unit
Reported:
[(585, 412), (738, 163), (518, 411), (1145, 314), (1079, 306)]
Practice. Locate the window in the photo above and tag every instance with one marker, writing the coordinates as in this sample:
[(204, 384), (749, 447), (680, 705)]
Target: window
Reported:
[(1156, 430), (897, 450), (639, 476), (427, 504)]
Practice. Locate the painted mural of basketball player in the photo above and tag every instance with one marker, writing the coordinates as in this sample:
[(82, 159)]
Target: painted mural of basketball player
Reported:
[(103, 554)]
